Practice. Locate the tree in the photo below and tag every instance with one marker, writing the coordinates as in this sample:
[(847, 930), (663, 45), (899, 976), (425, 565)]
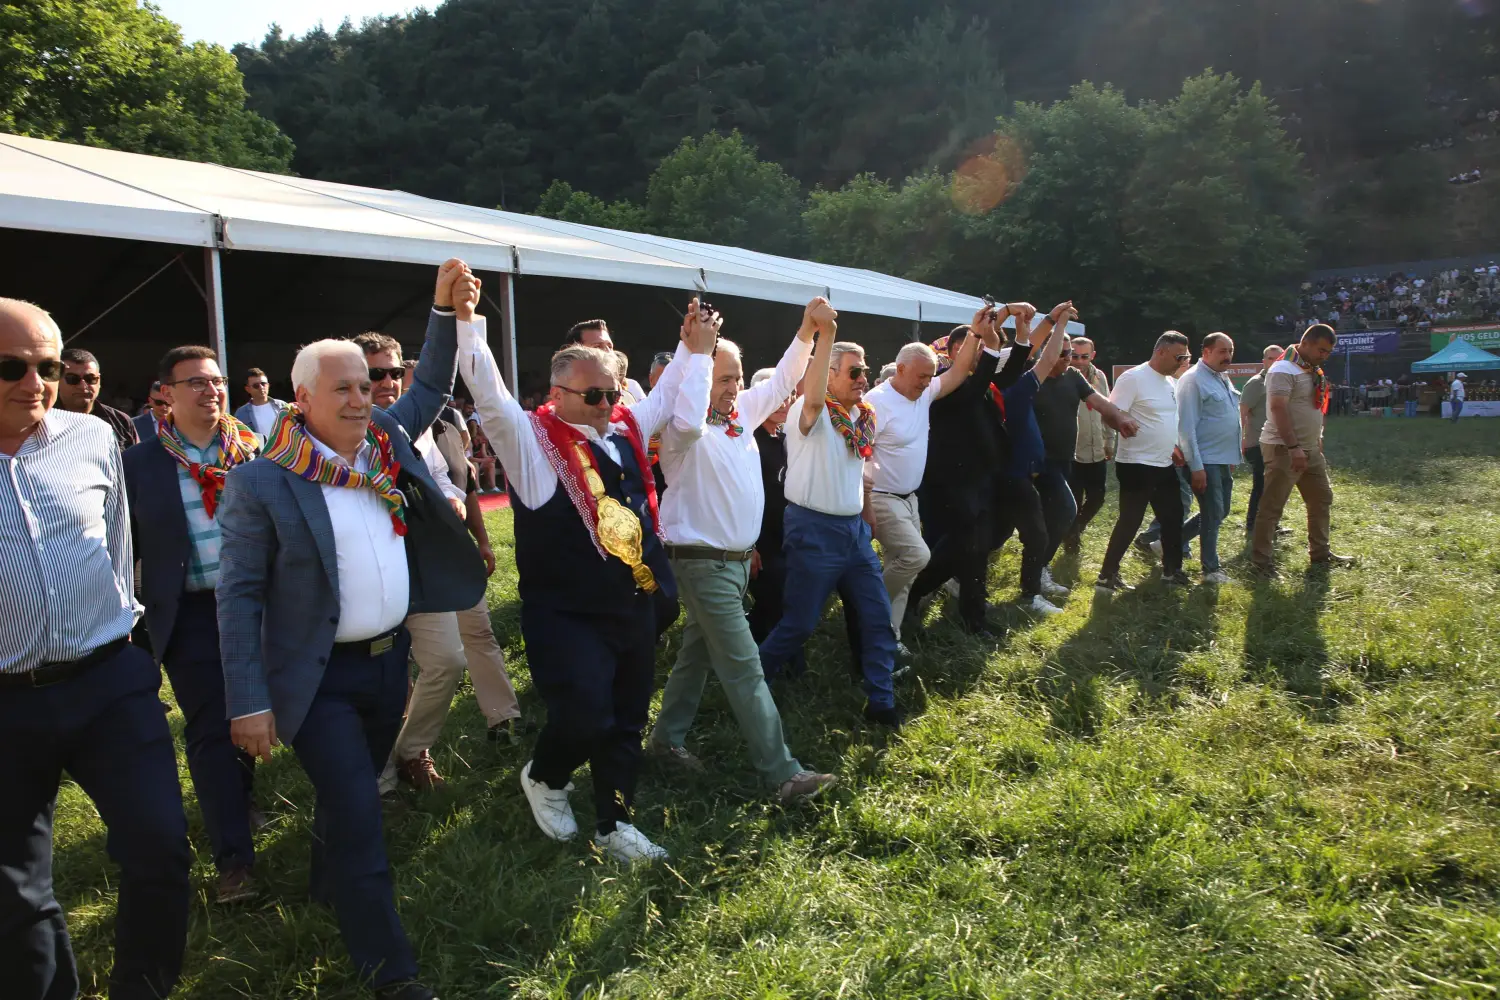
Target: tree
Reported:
[(716, 189), (111, 73), (912, 231), (561, 202)]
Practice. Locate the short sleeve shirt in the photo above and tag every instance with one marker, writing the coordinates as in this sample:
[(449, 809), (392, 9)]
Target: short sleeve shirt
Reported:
[(1287, 378), (901, 427), (1151, 400), (1253, 398), (1057, 412)]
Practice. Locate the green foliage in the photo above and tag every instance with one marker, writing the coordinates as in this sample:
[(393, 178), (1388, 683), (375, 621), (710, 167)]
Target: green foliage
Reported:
[(911, 231), (112, 73), (560, 201), (716, 189)]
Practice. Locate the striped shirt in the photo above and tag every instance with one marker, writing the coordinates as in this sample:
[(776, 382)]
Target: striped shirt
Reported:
[(203, 531), (66, 584)]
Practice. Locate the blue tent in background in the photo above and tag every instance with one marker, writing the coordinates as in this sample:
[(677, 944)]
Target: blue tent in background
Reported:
[(1459, 356)]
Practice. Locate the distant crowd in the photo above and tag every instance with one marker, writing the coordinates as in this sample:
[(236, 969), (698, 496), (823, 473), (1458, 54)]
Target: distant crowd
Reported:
[(1398, 300)]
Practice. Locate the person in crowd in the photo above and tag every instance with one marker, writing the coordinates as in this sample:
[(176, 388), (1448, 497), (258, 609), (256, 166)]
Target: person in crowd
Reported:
[(894, 471), (965, 447), (1252, 419), (595, 333), (1063, 392), (79, 393), (1457, 393), (175, 482), (75, 694), (768, 561), (330, 540), (1208, 432), (659, 362), (1148, 542), (710, 519), (1292, 443), (1145, 464), (590, 563), (157, 409), (1095, 447), (888, 372), (828, 522), (261, 411)]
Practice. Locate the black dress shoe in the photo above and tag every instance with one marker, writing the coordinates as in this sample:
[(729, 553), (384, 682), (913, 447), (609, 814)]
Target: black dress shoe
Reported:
[(404, 991)]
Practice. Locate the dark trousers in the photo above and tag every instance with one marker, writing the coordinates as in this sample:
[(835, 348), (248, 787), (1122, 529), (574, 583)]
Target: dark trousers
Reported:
[(766, 590), (343, 745), (1257, 463), (223, 774), (958, 523), (1142, 485), (1019, 509), (1059, 505), (106, 729), (1089, 481), (824, 552), (596, 673)]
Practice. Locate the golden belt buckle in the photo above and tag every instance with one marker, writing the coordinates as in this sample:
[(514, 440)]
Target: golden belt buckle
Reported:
[(382, 645)]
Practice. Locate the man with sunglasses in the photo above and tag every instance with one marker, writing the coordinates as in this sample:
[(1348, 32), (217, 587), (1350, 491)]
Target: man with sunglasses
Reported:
[(157, 409), (79, 393), (1146, 464), (590, 561), (595, 333), (75, 695), (1094, 448), (262, 411)]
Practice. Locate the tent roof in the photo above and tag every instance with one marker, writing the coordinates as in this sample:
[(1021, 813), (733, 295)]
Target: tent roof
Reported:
[(1458, 356), (67, 188)]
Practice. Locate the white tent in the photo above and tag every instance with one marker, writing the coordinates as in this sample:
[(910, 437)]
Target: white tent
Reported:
[(67, 188)]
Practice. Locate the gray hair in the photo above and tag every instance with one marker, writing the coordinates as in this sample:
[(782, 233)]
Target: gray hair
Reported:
[(762, 375), (564, 360), (1276, 349), (728, 345), (887, 372), (309, 360), (1171, 337), (841, 348), (916, 349)]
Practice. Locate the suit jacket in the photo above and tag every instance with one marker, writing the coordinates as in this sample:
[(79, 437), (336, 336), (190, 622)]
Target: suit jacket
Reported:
[(145, 426), (278, 592), (158, 525), (243, 414)]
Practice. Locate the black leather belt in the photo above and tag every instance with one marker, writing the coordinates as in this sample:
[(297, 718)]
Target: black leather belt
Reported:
[(704, 552), (56, 673), (903, 496), (377, 646)]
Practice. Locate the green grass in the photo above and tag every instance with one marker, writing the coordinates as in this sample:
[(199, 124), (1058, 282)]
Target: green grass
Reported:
[(1278, 790)]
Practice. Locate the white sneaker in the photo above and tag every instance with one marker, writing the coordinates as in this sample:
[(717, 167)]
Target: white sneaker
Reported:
[(628, 844), (1040, 605), (951, 587), (549, 807), (1051, 587), (1156, 548), (1217, 576)]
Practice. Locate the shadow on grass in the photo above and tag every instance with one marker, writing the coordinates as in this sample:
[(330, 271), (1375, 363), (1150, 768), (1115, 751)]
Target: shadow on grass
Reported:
[(1284, 641)]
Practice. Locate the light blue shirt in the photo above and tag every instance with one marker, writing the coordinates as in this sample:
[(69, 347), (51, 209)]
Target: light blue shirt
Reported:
[(203, 531), (1208, 418)]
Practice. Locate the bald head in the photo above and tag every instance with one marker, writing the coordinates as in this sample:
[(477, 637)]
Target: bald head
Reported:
[(20, 318), (29, 335)]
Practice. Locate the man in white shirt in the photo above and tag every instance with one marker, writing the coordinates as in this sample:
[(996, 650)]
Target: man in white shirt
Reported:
[(260, 413), (710, 519), (591, 566), (595, 333), (1145, 464), (903, 405), (1457, 394), (827, 528)]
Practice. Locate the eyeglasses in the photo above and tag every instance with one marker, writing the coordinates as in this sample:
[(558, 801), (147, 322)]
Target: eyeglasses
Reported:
[(14, 369), (89, 378), (593, 397), (202, 383), (381, 374)]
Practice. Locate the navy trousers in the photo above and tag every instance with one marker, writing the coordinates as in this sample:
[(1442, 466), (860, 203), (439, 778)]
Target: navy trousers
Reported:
[(106, 729), (1059, 505), (596, 673), (958, 525), (824, 552), (1019, 509), (223, 774), (343, 745)]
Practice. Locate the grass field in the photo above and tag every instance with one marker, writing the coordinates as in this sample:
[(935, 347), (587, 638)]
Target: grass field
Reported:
[(1274, 790)]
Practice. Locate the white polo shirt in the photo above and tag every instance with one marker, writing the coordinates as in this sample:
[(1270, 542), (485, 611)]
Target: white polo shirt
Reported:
[(822, 472), (901, 425)]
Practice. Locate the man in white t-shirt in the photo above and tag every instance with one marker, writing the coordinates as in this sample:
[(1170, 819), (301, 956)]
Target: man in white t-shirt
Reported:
[(827, 530), (1145, 464), (893, 473), (1457, 394), (261, 412)]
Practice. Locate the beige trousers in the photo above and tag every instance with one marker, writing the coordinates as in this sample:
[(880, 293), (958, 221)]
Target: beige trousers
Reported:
[(1317, 495), (898, 528)]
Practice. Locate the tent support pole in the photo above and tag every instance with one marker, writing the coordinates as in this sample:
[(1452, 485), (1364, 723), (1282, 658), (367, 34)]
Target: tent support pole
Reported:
[(215, 300), (508, 330)]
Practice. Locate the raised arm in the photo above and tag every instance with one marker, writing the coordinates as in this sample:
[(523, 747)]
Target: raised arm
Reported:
[(691, 370), (958, 372), (759, 402), (432, 384), (1057, 334), (815, 385)]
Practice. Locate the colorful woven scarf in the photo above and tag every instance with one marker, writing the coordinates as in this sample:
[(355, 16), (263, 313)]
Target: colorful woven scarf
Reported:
[(860, 434), (237, 445), (292, 448), (731, 428), (1320, 381), (653, 450)]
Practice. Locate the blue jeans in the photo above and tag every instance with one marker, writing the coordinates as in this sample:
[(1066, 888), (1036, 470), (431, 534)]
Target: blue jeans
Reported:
[(1059, 506), (1213, 508), (824, 551), (1458, 409), (1411, 407)]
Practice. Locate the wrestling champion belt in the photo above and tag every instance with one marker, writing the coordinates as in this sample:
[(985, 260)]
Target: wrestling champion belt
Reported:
[(619, 530)]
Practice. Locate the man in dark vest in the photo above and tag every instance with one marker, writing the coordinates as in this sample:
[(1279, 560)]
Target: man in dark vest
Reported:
[(590, 564)]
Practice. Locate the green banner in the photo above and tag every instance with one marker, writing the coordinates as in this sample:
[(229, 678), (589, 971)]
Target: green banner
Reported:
[(1484, 337)]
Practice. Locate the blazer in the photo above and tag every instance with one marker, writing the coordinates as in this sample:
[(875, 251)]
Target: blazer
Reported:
[(145, 426), (243, 414), (278, 592), (159, 528)]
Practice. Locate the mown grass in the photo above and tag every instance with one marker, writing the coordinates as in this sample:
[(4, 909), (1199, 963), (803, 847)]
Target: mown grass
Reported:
[(1272, 790)]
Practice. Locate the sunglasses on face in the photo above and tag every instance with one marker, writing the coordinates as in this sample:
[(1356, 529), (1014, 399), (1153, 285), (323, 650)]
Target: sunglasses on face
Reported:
[(14, 369), (857, 372), (593, 397), (381, 374), (1081, 356), (75, 379), (161, 403), (200, 383), (258, 385), (1184, 357)]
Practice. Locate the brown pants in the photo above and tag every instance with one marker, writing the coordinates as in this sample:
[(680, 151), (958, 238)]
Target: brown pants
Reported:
[(1316, 492)]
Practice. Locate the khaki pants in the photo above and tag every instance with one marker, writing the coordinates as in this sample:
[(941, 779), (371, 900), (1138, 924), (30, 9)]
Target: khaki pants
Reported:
[(443, 646), (1316, 492), (898, 528)]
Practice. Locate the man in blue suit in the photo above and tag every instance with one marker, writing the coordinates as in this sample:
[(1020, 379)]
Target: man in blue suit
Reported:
[(330, 539), (146, 423), (175, 481)]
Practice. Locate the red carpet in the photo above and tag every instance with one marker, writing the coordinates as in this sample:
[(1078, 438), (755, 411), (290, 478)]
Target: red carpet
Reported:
[(494, 501)]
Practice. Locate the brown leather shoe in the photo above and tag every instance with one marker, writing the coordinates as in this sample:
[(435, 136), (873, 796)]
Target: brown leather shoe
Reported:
[(237, 885), (420, 772)]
